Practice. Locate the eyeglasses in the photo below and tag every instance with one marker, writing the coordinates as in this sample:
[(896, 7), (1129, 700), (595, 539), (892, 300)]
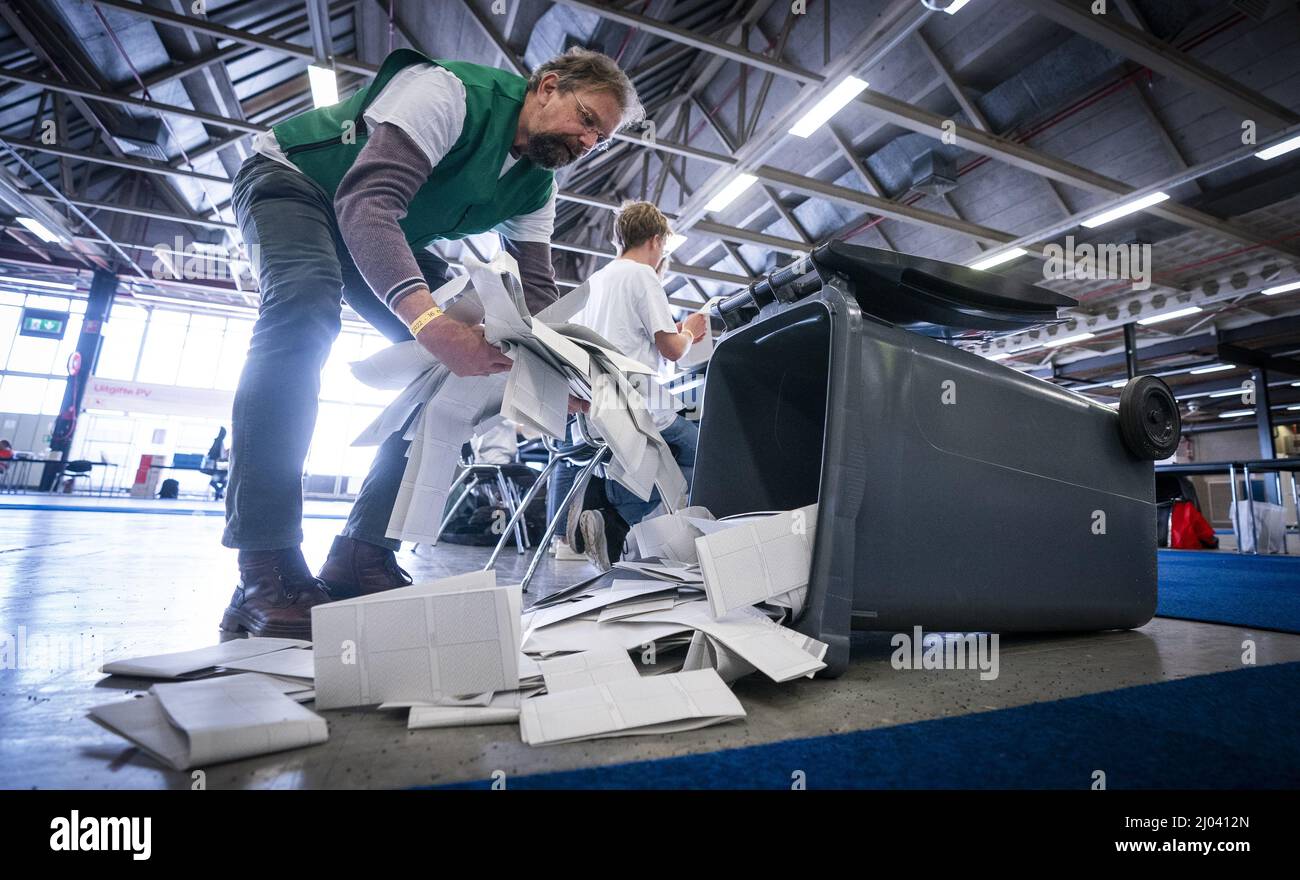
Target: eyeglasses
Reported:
[(589, 122)]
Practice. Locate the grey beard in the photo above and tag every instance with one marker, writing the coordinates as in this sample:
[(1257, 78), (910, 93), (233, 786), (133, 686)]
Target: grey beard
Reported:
[(548, 151)]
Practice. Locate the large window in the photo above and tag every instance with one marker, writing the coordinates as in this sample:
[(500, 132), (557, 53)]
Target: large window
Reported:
[(120, 350), (162, 346)]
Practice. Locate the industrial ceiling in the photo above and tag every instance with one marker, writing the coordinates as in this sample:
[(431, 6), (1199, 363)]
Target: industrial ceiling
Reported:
[(1007, 124)]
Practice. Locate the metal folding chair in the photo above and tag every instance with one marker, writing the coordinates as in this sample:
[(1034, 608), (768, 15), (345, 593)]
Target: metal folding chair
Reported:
[(493, 479), (586, 453)]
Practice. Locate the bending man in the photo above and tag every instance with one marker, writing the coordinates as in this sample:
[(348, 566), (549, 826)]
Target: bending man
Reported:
[(339, 204)]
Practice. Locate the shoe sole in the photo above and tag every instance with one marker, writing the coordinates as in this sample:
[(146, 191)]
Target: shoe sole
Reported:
[(593, 538), (237, 622)]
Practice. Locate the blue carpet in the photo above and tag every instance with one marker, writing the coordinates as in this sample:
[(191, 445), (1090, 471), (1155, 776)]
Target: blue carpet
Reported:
[(1262, 592), (1227, 730)]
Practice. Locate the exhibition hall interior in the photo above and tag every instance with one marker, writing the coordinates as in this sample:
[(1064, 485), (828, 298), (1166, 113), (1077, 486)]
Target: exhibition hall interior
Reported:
[(649, 394)]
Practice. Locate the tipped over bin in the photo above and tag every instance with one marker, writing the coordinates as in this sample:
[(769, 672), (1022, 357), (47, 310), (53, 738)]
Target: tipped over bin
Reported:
[(954, 493)]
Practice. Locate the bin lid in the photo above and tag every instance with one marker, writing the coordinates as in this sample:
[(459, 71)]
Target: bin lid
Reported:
[(937, 298)]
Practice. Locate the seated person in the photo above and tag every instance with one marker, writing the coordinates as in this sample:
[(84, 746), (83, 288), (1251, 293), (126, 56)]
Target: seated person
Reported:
[(217, 453), (495, 442), (6, 454), (627, 306)]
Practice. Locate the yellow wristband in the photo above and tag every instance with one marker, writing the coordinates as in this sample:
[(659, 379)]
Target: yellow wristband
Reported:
[(421, 322)]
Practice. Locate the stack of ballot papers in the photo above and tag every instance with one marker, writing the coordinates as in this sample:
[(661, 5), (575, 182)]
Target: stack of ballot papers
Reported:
[(199, 723), (425, 643), (287, 661), (553, 360)]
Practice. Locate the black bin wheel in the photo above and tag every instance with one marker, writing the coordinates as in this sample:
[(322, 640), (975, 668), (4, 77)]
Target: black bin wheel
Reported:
[(1149, 419)]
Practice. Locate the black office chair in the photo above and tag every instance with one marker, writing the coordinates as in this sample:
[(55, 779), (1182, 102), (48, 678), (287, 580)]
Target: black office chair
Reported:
[(71, 471)]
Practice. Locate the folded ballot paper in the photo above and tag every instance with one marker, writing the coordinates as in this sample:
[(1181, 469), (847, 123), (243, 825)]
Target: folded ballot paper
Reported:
[(421, 644), (502, 708), (553, 359), (760, 559), (671, 536), (200, 723), (234, 654), (643, 705)]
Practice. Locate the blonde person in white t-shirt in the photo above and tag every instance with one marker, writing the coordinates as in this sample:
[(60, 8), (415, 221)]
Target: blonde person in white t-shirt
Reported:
[(629, 308)]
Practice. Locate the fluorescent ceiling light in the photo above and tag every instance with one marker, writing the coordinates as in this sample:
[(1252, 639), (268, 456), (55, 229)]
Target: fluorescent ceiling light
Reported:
[(1169, 316), (1125, 209), (998, 259), (955, 6), (1278, 149), (731, 192), (1290, 408), (1236, 413), (1281, 288), (998, 355), (324, 85), (828, 106), (1235, 392), (1078, 337), (1217, 368), (56, 285), (675, 241), (39, 229), (1120, 384)]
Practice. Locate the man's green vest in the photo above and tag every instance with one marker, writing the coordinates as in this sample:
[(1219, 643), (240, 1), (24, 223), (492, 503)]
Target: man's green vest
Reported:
[(463, 194)]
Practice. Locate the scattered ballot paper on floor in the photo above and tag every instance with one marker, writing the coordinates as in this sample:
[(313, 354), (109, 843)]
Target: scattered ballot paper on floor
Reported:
[(645, 705), (758, 560), (201, 723), (502, 708), (447, 638), (587, 669), (670, 536), (202, 661)]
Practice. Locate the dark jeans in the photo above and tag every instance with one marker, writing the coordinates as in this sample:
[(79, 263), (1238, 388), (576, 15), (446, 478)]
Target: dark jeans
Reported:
[(305, 273), (682, 436)]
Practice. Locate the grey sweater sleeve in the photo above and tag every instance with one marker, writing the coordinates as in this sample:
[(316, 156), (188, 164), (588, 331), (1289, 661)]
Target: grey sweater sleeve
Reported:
[(535, 272), (370, 203)]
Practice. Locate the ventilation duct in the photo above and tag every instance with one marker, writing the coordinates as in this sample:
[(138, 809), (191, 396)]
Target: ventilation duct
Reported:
[(144, 138), (933, 174)]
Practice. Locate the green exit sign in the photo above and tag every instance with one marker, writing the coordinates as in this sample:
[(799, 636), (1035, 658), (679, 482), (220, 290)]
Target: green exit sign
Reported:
[(42, 323)]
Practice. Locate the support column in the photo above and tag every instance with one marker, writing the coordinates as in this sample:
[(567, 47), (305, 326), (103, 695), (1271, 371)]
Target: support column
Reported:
[(1264, 429), (1131, 349), (103, 288)]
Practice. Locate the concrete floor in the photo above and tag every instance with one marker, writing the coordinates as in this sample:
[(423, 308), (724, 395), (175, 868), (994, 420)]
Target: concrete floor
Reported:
[(142, 584)]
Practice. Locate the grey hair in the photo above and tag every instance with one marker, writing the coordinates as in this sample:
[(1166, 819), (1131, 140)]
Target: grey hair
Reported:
[(580, 68)]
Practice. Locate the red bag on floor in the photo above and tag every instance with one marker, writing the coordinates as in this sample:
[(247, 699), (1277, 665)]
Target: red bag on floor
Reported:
[(1188, 530)]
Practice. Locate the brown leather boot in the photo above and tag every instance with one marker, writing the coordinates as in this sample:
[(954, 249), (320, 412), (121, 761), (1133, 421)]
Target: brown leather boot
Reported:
[(355, 568), (275, 595)]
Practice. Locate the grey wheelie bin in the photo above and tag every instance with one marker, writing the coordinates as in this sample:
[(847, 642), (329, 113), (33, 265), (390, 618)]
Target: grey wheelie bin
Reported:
[(954, 493)]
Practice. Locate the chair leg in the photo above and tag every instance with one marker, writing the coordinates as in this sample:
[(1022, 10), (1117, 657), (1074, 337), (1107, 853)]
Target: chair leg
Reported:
[(578, 483), (522, 523), (511, 503), (521, 507), (451, 511), (508, 505)]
